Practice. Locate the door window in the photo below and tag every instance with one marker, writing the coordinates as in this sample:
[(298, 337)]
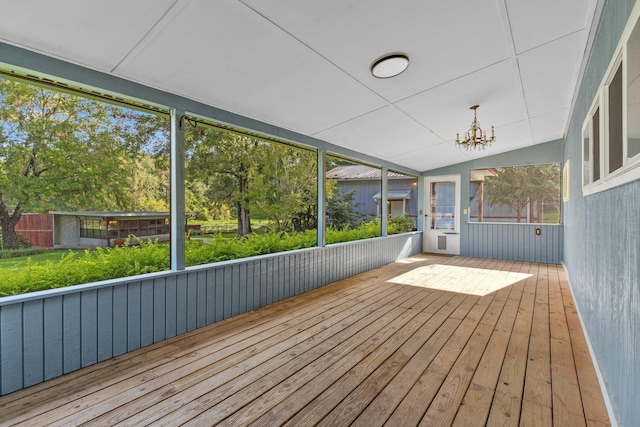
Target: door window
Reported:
[(443, 205)]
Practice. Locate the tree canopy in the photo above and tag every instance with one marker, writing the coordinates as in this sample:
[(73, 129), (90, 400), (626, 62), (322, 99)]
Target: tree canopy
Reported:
[(64, 152), (520, 187)]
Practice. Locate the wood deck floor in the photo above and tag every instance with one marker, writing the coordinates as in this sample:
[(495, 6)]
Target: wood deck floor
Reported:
[(430, 340)]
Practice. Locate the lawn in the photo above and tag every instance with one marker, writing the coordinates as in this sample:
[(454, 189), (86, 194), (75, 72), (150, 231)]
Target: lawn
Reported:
[(49, 255)]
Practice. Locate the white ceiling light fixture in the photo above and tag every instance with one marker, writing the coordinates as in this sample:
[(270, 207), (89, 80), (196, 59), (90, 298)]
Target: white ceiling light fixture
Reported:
[(390, 65), (475, 136)]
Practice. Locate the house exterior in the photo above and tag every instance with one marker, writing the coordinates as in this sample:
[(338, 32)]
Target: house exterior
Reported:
[(402, 191), (62, 230)]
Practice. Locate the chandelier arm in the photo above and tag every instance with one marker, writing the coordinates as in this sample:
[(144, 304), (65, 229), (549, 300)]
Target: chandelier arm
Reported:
[(475, 136)]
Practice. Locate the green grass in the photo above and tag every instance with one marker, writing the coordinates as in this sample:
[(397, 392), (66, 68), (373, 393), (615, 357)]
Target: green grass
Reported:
[(49, 255)]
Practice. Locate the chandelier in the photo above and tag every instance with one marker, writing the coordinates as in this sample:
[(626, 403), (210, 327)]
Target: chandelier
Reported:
[(475, 135)]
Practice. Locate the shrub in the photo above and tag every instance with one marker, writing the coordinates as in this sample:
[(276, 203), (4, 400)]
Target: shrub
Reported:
[(16, 253), (400, 224), (148, 256)]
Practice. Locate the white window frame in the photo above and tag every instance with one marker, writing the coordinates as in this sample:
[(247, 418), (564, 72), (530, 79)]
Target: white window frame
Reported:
[(587, 127), (630, 169)]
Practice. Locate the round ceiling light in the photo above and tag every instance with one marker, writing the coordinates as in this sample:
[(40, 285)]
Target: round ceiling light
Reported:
[(390, 65)]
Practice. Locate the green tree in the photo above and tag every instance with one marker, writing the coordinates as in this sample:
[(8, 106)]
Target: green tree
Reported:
[(520, 187), (341, 211), (60, 151), (225, 162), (286, 187), (150, 182)]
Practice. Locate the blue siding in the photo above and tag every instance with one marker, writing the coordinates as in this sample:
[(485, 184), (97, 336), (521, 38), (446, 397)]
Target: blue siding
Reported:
[(602, 242), (46, 334), (508, 241), (53, 365), (513, 241), (365, 190)]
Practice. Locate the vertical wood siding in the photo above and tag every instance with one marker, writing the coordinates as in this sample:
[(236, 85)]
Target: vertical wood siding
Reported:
[(47, 334), (37, 228), (514, 241)]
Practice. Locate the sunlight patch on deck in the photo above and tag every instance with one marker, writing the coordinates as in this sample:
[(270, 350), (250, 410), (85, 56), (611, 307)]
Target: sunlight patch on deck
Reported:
[(466, 280)]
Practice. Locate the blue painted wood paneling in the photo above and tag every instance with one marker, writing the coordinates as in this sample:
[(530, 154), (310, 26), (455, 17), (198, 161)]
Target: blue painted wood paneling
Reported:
[(602, 240), (58, 331), (159, 309), (71, 324), (134, 312), (146, 313), (33, 325), (119, 320), (514, 241), (105, 323), (53, 364), (89, 327), (11, 347)]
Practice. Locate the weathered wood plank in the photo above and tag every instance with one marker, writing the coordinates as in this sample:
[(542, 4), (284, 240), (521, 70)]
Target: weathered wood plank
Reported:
[(216, 405), (156, 356), (567, 401), (474, 409), (432, 340)]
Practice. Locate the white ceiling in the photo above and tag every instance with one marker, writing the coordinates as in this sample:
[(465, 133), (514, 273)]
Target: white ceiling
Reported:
[(303, 65)]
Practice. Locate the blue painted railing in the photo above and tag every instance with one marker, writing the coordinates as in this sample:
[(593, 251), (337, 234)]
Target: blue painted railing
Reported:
[(46, 334)]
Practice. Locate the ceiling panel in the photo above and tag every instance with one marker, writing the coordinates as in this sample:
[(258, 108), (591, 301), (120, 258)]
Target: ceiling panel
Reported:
[(304, 65), (91, 33), (381, 133), (548, 127), (434, 156), (549, 74), (535, 23), (445, 109), (226, 55), (433, 33)]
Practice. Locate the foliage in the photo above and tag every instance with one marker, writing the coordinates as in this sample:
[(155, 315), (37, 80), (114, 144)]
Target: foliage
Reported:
[(98, 264), (63, 152), (342, 212), (88, 266), (150, 184), (17, 253), (228, 171), (399, 224), (366, 230), (225, 164), (287, 181), (221, 249), (515, 187)]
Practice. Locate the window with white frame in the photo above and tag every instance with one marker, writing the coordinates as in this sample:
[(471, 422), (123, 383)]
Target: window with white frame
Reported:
[(591, 145), (611, 130)]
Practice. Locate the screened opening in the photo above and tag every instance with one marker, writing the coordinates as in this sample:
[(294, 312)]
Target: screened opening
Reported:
[(249, 195), (518, 194), (402, 202), (352, 212), (63, 153)]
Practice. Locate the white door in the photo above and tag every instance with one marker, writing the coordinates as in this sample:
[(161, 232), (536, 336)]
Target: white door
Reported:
[(396, 208), (442, 219)]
